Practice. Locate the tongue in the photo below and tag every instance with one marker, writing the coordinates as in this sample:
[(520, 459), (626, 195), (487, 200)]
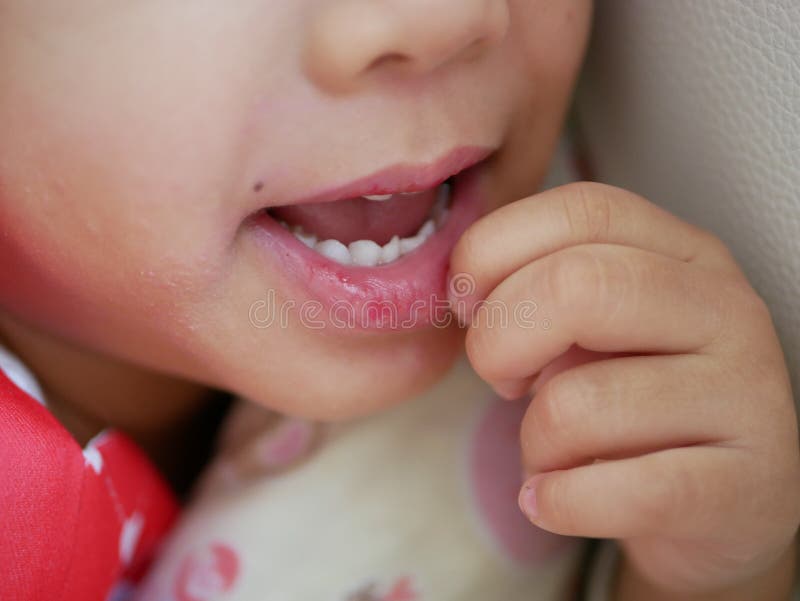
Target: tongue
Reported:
[(361, 219)]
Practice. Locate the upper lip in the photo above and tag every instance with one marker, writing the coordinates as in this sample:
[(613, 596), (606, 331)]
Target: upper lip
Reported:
[(404, 177)]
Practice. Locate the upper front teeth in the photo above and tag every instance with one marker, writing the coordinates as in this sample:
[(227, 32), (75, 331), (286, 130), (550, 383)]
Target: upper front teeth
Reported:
[(384, 197)]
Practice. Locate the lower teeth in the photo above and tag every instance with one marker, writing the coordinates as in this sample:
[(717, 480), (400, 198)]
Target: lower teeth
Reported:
[(367, 253)]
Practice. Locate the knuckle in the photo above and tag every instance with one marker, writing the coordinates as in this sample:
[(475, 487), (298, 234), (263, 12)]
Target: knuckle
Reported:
[(566, 397), (742, 314), (577, 278), (564, 276), (537, 433), (710, 244), (537, 440), (706, 245), (752, 305), (588, 208), (553, 418), (561, 411), (591, 387), (548, 415)]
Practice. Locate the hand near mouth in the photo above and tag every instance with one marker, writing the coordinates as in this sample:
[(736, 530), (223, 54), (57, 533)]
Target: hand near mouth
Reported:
[(681, 441), (377, 248)]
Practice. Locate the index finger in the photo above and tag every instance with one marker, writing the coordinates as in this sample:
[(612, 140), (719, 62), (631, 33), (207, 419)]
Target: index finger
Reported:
[(580, 213)]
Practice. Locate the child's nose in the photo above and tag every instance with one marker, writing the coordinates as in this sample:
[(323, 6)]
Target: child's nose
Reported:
[(350, 41)]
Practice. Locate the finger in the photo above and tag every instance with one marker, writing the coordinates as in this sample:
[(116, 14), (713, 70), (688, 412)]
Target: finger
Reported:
[(567, 216), (512, 390), (574, 357), (601, 297), (516, 389), (630, 406), (675, 491)]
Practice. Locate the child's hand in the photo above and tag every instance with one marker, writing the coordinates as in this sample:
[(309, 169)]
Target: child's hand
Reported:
[(681, 439)]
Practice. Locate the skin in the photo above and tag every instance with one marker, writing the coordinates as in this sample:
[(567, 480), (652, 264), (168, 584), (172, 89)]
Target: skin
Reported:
[(662, 414), (138, 137), (132, 154)]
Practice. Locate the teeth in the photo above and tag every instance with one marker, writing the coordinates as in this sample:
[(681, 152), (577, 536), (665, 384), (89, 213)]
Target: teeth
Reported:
[(310, 240), (367, 253), (390, 251), (333, 249), (409, 244), (426, 230)]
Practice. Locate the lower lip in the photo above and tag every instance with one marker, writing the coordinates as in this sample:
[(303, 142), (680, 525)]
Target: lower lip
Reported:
[(408, 294)]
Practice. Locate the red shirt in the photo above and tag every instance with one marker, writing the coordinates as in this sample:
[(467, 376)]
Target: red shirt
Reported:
[(75, 524)]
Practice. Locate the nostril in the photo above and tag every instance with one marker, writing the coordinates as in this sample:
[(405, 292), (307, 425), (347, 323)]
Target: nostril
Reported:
[(420, 61), (475, 49), (349, 41), (390, 59)]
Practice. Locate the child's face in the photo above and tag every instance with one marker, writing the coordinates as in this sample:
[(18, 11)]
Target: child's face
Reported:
[(140, 140)]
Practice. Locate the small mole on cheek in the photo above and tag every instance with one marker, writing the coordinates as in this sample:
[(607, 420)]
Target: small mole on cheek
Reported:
[(258, 187)]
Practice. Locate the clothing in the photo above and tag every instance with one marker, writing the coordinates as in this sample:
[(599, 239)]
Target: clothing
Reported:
[(76, 524), (415, 503)]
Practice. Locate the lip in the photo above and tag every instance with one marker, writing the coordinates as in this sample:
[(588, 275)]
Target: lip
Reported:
[(403, 178), (407, 294)]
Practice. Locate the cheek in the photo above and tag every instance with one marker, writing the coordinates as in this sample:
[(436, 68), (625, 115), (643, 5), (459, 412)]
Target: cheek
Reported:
[(120, 197), (98, 272), (548, 41), (553, 34), (148, 148), (546, 48)]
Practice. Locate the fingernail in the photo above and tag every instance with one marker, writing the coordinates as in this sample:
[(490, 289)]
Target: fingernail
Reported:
[(527, 498)]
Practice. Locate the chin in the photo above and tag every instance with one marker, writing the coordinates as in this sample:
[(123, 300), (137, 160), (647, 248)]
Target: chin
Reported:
[(337, 380)]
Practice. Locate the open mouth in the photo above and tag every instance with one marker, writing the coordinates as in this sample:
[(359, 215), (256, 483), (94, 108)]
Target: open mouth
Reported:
[(378, 249), (370, 230)]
